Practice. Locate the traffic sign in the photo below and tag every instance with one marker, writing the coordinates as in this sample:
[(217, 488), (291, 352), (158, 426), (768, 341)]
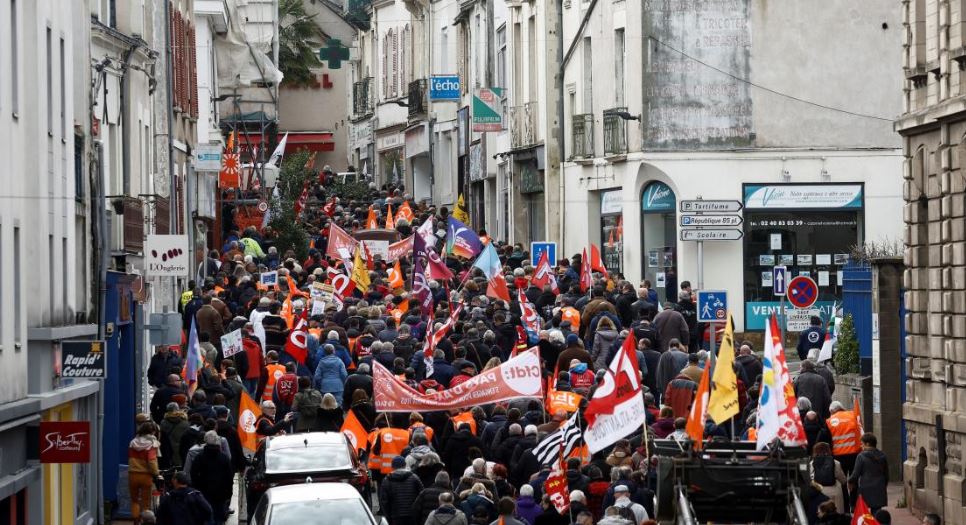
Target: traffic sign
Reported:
[(710, 220), (703, 206), (779, 278), (730, 234), (712, 306), (802, 292), (537, 248)]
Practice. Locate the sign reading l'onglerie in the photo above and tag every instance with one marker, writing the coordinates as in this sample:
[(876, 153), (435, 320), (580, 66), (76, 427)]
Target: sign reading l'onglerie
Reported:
[(83, 360), (487, 109), (167, 256)]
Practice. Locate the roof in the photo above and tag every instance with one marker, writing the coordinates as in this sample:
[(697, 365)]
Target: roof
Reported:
[(310, 439), (309, 491)]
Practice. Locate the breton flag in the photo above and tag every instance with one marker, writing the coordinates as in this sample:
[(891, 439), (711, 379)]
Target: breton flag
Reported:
[(550, 451)]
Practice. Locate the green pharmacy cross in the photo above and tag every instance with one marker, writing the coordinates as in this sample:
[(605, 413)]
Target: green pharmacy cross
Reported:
[(334, 53)]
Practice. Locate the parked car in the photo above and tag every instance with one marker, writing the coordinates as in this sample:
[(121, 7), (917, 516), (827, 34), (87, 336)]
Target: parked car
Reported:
[(313, 457), (329, 503)]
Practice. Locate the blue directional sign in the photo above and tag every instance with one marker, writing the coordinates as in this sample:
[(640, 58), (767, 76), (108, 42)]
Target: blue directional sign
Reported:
[(444, 87), (779, 280), (537, 248), (712, 306)]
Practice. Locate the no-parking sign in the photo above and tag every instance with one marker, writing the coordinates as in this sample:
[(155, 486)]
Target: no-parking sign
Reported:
[(802, 292)]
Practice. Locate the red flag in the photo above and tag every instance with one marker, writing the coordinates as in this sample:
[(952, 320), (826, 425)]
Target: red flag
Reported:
[(437, 269), (405, 212), (596, 263), (438, 336), (622, 385), (555, 487), (329, 208), (300, 204), (371, 222), (699, 410), (863, 515), (390, 223), (341, 245), (297, 343), (544, 274), (395, 277), (370, 264), (585, 279)]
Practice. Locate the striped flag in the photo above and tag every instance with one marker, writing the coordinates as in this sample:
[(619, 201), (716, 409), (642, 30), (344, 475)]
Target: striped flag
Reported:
[(559, 443), (193, 361)]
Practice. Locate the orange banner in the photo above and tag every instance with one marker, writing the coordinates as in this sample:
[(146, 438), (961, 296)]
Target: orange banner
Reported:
[(248, 414), (518, 377)]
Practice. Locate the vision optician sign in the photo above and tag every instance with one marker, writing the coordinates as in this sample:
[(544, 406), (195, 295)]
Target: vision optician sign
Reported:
[(444, 87), (797, 196)]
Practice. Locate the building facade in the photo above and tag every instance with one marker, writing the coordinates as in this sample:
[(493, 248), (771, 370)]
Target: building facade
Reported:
[(933, 130), (673, 101)]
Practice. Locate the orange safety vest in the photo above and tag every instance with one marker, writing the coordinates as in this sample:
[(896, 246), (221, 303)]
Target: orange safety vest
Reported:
[(582, 452), (427, 430), (316, 332), (387, 443), (752, 434), (275, 371), (569, 313), (464, 417), (845, 433)]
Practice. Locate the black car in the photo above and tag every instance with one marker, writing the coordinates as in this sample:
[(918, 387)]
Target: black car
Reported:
[(313, 457)]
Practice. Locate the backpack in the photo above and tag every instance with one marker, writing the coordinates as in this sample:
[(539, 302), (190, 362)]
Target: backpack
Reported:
[(627, 513), (310, 403), (824, 468)]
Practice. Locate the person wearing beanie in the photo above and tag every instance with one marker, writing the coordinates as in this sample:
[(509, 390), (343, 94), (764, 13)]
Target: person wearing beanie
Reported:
[(212, 473), (173, 425), (398, 493), (428, 499), (183, 505)]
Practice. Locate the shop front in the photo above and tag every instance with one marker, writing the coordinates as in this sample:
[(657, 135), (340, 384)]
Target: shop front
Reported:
[(612, 231), (810, 229), (659, 239), (478, 182), (420, 185), (391, 150)]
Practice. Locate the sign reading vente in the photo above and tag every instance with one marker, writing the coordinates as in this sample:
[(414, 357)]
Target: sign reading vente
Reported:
[(167, 256)]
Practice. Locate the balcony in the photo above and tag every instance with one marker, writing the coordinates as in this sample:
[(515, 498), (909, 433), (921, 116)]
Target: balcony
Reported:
[(417, 98), (615, 132), (582, 136), (523, 125), (362, 98)]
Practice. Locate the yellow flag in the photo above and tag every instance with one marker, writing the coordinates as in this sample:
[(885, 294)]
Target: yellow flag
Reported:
[(724, 396), (360, 274), (459, 211)]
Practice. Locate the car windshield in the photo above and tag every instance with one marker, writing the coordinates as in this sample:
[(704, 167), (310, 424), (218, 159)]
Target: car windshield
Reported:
[(316, 458), (336, 512)]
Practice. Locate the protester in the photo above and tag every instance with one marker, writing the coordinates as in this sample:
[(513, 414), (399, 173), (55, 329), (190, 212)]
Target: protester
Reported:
[(183, 505), (143, 466), (870, 477)]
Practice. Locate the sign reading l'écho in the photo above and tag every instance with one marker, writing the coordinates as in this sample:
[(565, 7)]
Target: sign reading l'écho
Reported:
[(65, 442)]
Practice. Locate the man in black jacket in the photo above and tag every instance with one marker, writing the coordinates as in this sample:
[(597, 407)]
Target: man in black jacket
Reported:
[(359, 380), (398, 492), (625, 304), (165, 360), (183, 505), (165, 395), (456, 453)]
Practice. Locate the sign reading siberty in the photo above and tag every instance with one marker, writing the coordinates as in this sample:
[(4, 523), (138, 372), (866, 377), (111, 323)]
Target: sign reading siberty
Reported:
[(518, 377), (65, 442), (83, 359)]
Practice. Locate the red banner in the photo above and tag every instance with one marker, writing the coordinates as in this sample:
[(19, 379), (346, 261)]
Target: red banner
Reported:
[(518, 377), (398, 250), (65, 442), (341, 244)]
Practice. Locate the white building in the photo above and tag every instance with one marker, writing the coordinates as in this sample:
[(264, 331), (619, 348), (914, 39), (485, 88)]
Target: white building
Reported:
[(669, 101)]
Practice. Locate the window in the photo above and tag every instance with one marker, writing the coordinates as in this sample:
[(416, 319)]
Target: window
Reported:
[(501, 56), (395, 64), (14, 59), (478, 59), (63, 287), (444, 52), (50, 85), (517, 92), (79, 168), (532, 59), (588, 75), (619, 67), (17, 297), (2, 254), (63, 91), (51, 276)]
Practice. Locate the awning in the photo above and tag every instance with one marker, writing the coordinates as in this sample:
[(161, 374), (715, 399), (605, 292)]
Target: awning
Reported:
[(310, 140)]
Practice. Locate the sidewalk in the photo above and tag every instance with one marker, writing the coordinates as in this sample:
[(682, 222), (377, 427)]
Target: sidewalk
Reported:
[(899, 516)]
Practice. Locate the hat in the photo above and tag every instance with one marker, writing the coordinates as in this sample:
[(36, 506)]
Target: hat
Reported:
[(221, 411), (572, 339), (212, 438), (620, 488), (684, 295), (398, 462), (172, 407)]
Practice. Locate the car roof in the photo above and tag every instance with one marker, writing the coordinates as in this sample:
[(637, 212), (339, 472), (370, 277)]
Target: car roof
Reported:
[(311, 491), (307, 439)]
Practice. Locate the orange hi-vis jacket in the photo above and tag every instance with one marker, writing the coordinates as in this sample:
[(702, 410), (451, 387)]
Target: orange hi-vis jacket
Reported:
[(426, 429), (275, 371), (752, 434), (569, 313), (386, 443), (464, 417), (845, 433)]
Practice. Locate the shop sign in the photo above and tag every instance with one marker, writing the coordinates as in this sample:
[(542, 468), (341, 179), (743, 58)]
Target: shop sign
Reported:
[(792, 196), (477, 162), (444, 87), (757, 313), (488, 109), (610, 202), (658, 197), (531, 181), (208, 157), (393, 140), (360, 135), (167, 256), (83, 360), (65, 442)]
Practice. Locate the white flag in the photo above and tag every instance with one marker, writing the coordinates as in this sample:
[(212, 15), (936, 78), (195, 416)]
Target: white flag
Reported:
[(279, 151)]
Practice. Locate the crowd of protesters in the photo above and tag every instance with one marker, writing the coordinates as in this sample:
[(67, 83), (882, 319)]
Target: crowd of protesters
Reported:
[(458, 467)]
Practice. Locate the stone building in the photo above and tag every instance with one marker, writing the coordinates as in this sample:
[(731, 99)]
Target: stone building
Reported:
[(933, 130)]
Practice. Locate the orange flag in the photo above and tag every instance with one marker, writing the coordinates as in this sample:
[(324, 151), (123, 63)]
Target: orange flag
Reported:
[(248, 414), (287, 312), (371, 222), (395, 277), (400, 311), (293, 291), (390, 223), (405, 212), (858, 413), (699, 410), (353, 430)]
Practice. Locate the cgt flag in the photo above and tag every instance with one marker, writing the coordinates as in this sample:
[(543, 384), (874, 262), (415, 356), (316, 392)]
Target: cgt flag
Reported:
[(354, 430), (544, 274), (297, 343), (248, 414), (617, 408)]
